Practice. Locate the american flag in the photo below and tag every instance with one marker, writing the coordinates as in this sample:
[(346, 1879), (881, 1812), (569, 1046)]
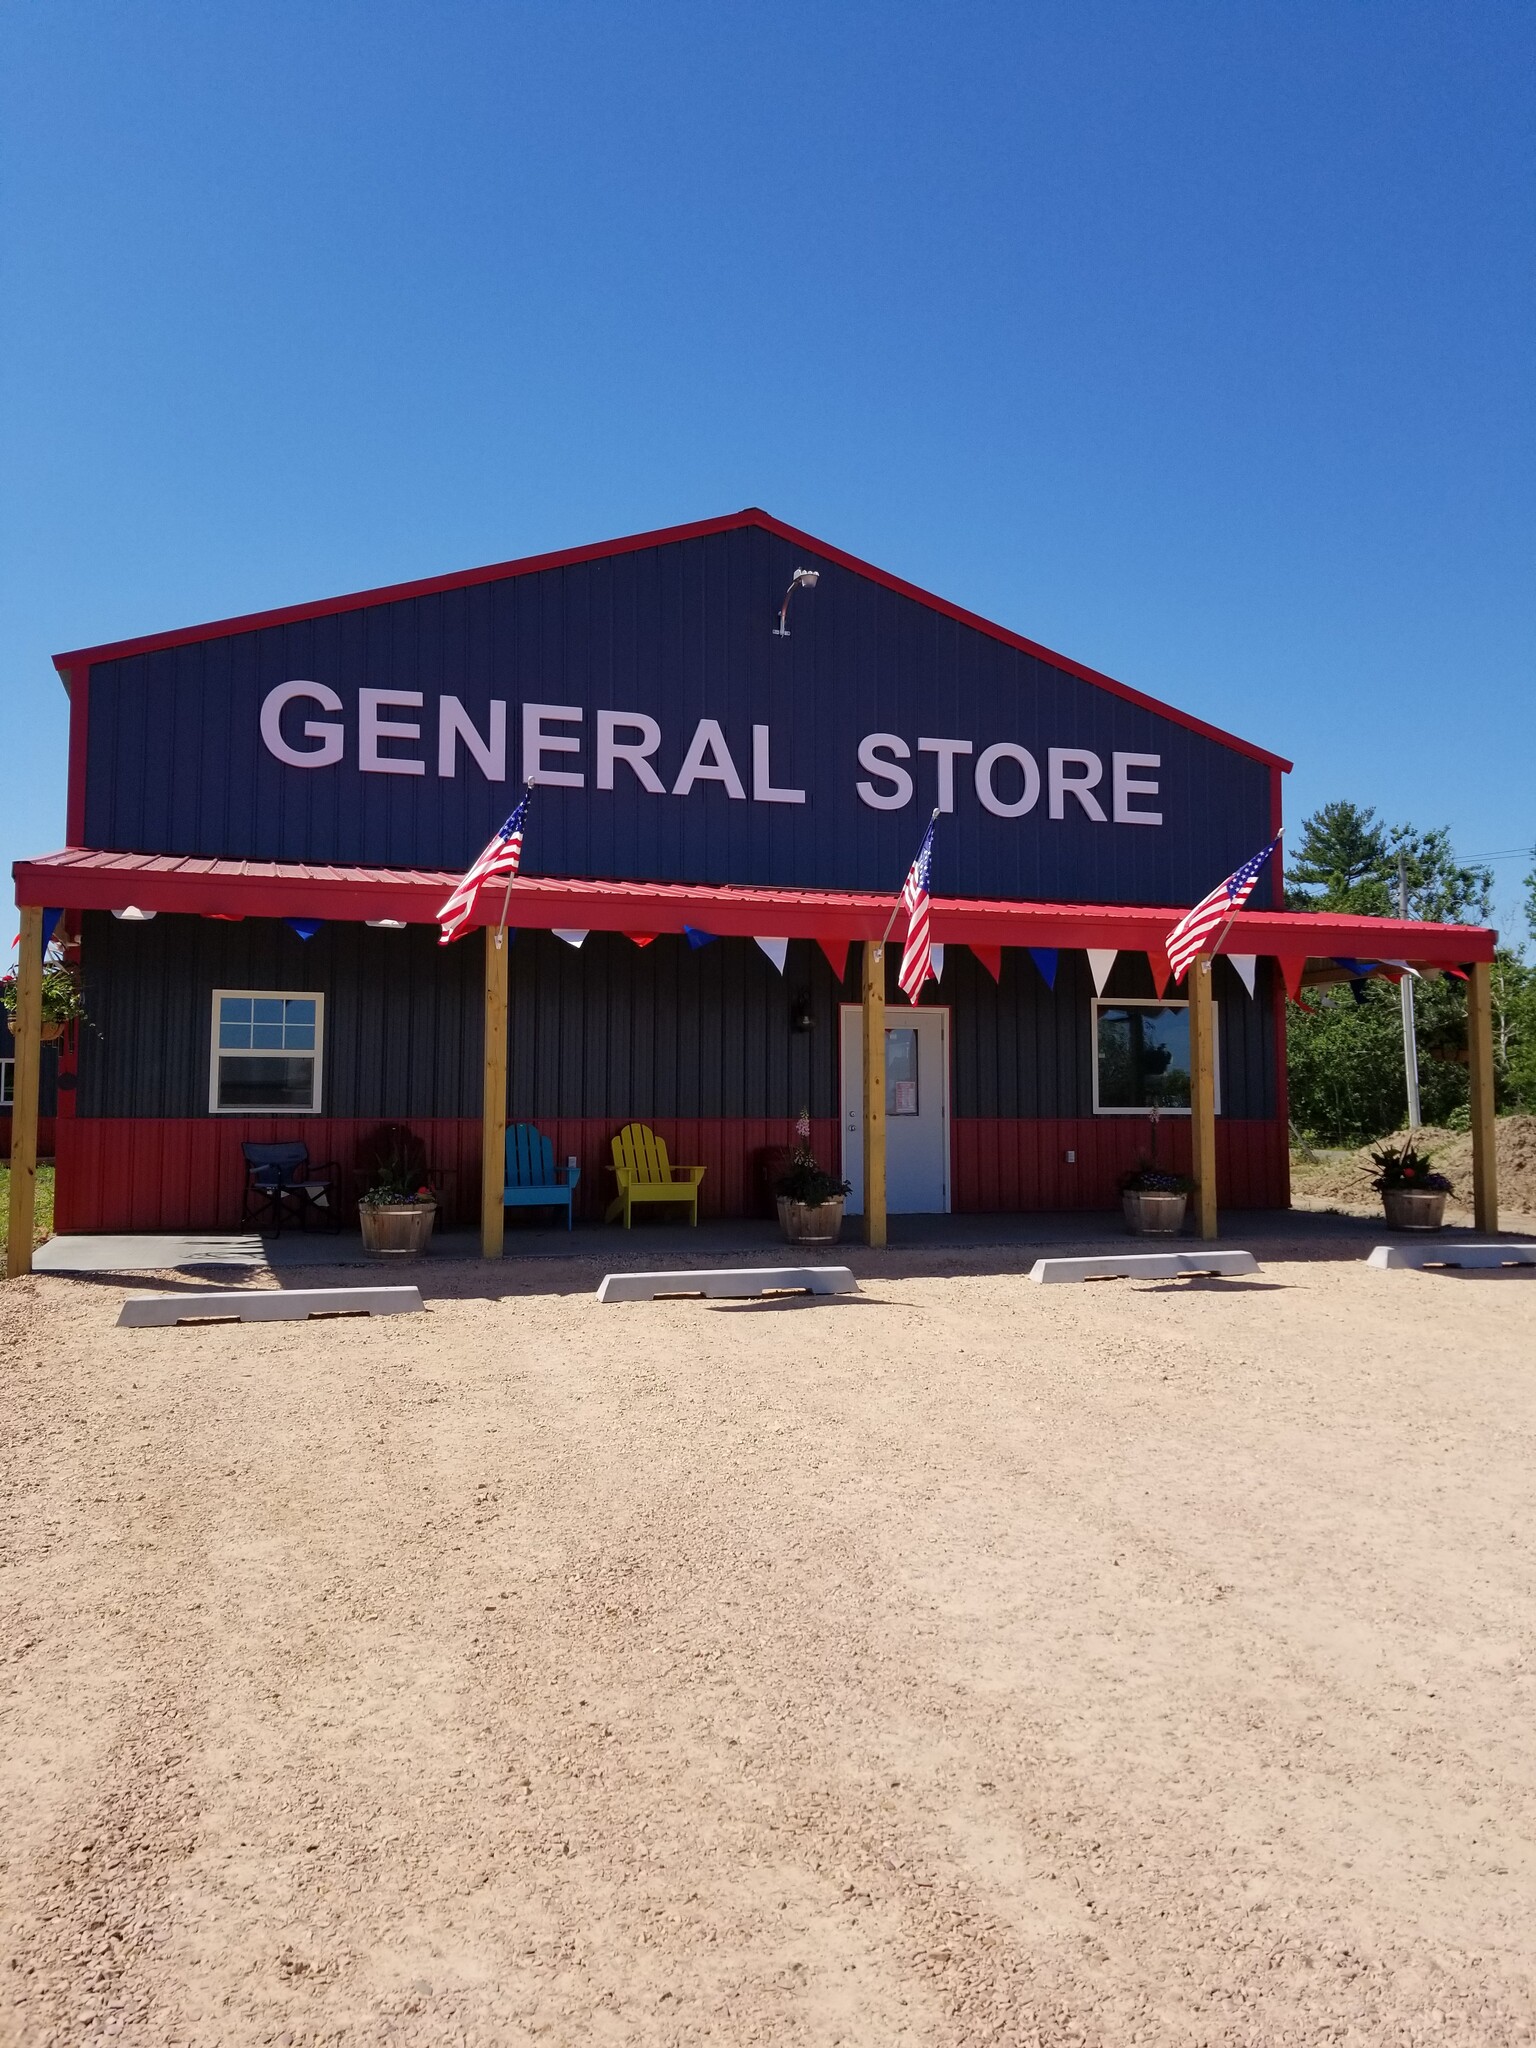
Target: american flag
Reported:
[(1189, 935), (916, 961), (499, 858)]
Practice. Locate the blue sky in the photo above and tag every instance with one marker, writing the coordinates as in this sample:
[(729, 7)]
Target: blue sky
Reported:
[(1194, 341)]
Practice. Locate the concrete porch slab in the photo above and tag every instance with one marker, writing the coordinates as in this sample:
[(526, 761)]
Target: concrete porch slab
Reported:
[(146, 1252)]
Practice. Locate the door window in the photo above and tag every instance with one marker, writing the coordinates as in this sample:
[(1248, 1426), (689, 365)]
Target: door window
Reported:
[(901, 1072)]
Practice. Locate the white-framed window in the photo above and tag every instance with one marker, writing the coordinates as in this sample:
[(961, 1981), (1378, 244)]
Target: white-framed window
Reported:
[(266, 1052), (7, 1083), (1141, 1056)]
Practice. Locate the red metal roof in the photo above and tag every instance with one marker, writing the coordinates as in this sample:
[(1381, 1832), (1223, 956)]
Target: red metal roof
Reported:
[(528, 565), (81, 879)]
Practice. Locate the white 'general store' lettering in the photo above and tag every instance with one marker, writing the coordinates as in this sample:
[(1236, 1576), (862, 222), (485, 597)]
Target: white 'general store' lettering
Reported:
[(1006, 777)]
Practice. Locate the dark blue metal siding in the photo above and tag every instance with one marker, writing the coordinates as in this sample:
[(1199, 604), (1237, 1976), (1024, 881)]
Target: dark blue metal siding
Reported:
[(612, 1030), (1021, 1050), (682, 632)]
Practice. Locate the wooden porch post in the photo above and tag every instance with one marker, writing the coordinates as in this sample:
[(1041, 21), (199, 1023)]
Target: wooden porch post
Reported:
[(1202, 1094), (493, 1100), (874, 1092), (27, 1030), (1485, 1163)]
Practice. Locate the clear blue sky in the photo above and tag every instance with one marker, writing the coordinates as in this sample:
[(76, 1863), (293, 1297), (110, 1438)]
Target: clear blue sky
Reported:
[(1193, 340)]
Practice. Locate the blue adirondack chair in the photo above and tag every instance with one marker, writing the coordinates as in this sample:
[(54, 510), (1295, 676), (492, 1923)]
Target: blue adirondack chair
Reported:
[(533, 1179)]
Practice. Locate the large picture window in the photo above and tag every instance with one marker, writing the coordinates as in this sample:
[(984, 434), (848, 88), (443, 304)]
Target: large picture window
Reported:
[(266, 1051), (1141, 1058)]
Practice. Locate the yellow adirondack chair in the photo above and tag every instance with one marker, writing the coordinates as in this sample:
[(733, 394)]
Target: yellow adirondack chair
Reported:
[(645, 1174)]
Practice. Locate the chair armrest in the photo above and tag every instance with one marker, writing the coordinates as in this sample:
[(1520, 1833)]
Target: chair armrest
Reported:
[(625, 1176), (567, 1176), (692, 1174)]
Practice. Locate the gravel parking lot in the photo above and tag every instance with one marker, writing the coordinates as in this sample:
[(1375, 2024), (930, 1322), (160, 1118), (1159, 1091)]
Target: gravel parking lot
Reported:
[(967, 1662)]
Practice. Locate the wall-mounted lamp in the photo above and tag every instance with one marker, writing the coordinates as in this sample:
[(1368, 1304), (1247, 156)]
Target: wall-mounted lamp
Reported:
[(802, 1017), (809, 578), (133, 915), (385, 924)]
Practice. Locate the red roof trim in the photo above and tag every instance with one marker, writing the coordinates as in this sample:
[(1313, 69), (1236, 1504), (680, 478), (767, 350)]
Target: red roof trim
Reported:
[(80, 880), (464, 579)]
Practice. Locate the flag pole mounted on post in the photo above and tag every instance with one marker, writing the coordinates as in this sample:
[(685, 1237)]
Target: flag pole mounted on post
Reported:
[(502, 856), (1191, 950), (916, 966)]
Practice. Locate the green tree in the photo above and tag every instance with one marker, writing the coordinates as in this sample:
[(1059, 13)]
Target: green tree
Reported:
[(1347, 860), (1345, 1058)]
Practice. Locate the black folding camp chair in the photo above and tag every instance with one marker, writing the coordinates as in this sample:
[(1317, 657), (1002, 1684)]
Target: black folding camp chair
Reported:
[(280, 1182)]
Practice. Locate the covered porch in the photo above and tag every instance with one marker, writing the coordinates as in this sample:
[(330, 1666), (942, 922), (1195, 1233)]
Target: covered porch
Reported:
[(1308, 950)]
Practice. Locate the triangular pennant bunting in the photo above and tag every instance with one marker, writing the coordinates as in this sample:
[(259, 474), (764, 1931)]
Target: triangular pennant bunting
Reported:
[(777, 951), (696, 938), (1246, 967), (1157, 960), (640, 938), (1100, 960), (936, 961), (991, 957), (306, 927), (1045, 958), (571, 938), (836, 951), (1291, 972)]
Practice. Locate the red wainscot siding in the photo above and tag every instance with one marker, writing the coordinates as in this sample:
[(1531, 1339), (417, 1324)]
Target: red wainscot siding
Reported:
[(188, 1173), (45, 1135), (1018, 1164)]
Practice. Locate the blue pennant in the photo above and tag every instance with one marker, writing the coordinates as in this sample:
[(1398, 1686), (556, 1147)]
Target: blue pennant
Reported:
[(696, 938), (1044, 958), (306, 927)]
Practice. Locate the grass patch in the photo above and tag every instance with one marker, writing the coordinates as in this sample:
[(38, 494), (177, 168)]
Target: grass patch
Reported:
[(43, 1220)]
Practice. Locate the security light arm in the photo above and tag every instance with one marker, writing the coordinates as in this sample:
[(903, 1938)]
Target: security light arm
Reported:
[(810, 578)]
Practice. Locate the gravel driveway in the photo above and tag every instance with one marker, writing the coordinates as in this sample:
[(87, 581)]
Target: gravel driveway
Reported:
[(963, 1663)]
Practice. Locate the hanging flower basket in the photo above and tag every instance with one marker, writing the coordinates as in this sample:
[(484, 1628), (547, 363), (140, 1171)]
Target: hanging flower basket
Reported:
[(62, 1004)]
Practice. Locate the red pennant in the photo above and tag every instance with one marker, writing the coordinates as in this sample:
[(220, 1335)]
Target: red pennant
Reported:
[(1157, 960), (1291, 972), (227, 916), (640, 938), (991, 957), (836, 951)]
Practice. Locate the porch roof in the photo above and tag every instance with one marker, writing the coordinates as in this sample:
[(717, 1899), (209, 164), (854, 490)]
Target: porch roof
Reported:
[(89, 879)]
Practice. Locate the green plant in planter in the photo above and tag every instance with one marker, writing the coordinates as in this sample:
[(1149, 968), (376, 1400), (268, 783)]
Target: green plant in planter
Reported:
[(1146, 1177), (62, 1002), (1403, 1168), (809, 1184), (395, 1161)]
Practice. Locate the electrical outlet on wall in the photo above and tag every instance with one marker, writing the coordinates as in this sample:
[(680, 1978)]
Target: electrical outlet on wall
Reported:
[(1071, 1159)]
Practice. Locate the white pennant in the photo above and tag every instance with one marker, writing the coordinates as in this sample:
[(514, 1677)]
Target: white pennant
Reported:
[(777, 951), (1100, 961), (1247, 965), (571, 938), (936, 960)]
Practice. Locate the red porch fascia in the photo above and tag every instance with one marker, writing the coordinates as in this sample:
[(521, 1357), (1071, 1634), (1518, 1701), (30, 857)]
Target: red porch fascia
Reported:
[(82, 879)]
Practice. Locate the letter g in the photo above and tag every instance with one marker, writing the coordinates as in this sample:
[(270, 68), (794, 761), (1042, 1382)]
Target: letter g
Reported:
[(332, 738)]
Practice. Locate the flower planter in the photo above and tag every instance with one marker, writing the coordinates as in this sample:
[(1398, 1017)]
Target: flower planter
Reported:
[(1153, 1213), (53, 1029), (811, 1223), (396, 1230), (1413, 1208)]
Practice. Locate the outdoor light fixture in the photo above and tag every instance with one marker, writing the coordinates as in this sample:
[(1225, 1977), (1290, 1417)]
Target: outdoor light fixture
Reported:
[(809, 578), (385, 924), (133, 915), (802, 1017)]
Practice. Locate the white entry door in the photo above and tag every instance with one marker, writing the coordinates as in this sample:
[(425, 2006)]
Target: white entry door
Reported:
[(916, 1111)]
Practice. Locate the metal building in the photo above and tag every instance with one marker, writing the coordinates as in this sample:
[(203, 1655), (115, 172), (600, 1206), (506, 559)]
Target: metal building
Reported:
[(734, 764)]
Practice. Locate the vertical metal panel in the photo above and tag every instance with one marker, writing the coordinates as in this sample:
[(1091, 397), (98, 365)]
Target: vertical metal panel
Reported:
[(680, 631)]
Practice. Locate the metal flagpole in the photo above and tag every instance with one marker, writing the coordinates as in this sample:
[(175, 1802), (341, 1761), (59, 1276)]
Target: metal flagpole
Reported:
[(1214, 950), (1405, 993), (501, 929), (879, 950)]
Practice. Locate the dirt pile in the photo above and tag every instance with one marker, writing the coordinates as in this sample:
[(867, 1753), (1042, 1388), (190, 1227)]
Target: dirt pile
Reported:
[(1346, 1176)]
